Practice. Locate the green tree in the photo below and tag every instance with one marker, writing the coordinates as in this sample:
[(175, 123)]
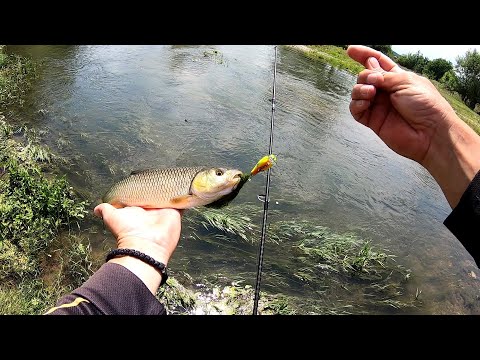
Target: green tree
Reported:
[(386, 49), (435, 69), (468, 73), (415, 62), (450, 80)]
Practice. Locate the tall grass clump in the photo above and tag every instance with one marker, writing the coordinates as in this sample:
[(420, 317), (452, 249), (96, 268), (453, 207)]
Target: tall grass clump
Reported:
[(16, 73), (35, 209)]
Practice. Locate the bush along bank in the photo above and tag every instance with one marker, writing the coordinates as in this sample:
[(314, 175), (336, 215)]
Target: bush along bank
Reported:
[(40, 255)]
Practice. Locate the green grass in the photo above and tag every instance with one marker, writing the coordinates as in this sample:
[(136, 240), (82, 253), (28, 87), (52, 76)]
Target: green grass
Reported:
[(40, 256), (29, 297), (16, 73), (345, 253), (470, 117), (333, 55)]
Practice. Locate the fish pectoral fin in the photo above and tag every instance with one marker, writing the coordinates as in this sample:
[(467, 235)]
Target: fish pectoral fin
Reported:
[(117, 205), (186, 201)]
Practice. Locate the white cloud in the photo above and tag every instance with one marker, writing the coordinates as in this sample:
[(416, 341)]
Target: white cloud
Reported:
[(448, 52)]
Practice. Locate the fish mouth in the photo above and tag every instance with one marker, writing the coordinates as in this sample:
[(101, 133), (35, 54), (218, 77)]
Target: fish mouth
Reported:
[(236, 177)]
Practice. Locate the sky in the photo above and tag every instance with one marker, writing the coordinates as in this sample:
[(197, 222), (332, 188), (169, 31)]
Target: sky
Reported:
[(447, 52)]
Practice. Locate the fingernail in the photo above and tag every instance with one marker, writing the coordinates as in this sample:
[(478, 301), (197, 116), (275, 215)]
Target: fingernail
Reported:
[(372, 78), (373, 62)]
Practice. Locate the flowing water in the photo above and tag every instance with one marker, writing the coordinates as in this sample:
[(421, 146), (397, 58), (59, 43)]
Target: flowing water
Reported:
[(112, 109)]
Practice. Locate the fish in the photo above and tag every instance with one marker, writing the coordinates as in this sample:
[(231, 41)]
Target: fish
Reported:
[(176, 187)]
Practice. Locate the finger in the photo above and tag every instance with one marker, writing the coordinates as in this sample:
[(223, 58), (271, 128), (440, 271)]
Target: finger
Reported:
[(363, 92), (381, 110), (362, 53), (368, 76), (397, 81), (358, 109), (371, 77), (103, 210), (389, 81)]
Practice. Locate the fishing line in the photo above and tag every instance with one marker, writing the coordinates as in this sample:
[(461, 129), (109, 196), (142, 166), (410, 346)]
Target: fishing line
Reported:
[(266, 197)]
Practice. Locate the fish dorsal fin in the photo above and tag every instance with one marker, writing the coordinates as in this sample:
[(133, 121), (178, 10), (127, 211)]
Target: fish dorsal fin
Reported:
[(135, 172), (140, 171)]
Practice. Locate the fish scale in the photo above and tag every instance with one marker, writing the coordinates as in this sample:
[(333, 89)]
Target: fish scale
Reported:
[(154, 185)]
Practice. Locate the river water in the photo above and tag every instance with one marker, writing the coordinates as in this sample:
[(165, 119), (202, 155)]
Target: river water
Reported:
[(113, 109)]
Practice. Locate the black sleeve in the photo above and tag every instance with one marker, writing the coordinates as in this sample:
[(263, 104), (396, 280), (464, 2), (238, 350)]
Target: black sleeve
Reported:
[(112, 290), (464, 220)]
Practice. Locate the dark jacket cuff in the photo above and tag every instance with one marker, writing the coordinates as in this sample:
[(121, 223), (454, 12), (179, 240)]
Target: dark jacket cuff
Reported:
[(115, 290), (464, 220)]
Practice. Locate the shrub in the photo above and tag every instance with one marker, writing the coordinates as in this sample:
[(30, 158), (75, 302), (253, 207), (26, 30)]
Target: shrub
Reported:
[(435, 69), (415, 62)]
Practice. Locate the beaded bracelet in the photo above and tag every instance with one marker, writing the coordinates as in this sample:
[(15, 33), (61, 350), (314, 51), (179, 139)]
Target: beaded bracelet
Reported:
[(141, 256)]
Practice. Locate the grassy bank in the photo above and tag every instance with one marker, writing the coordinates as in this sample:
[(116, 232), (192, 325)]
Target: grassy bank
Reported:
[(16, 73), (337, 56), (41, 254), (463, 111), (330, 54)]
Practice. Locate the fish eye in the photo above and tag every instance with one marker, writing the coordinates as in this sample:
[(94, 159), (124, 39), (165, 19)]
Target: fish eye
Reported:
[(218, 172)]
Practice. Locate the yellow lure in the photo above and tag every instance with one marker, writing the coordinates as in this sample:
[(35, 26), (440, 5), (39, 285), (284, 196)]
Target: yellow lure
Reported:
[(263, 164)]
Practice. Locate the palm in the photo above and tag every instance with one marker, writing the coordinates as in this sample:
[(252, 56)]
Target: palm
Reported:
[(148, 224), (407, 138)]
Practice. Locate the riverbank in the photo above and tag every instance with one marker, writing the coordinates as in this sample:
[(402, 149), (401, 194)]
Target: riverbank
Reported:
[(470, 117), (330, 54), (42, 253), (16, 73), (337, 57), (42, 256)]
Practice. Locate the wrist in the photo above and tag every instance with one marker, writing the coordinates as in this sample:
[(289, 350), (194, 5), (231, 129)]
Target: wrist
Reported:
[(453, 159), (150, 276)]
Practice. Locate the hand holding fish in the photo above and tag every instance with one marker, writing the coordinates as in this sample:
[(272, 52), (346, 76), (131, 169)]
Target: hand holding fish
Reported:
[(141, 210), (154, 232), (412, 118)]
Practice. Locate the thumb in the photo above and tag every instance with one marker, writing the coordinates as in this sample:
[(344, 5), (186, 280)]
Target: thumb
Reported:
[(103, 210)]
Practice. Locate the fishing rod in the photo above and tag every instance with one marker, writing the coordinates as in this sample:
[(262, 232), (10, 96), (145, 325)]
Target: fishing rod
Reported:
[(266, 197)]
